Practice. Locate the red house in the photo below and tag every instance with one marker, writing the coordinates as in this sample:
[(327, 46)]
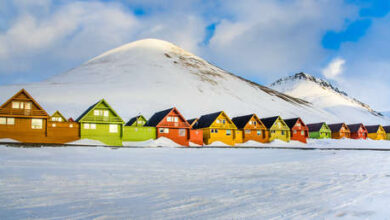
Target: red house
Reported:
[(299, 130), (196, 135), (171, 124), (358, 131)]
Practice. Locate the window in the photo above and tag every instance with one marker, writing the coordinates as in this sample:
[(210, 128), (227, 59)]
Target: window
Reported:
[(113, 128), (223, 121), (71, 125), (96, 112), (279, 124), (215, 130), (53, 125), (273, 132), (182, 132), (10, 121), (254, 122), (3, 121), (228, 132), (247, 131), (15, 105), (92, 126), (164, 130), (105, 113), (86, 126), (36, 123), (302, 132), (218, 121), (295, 131), (250, 122), (28, 105), (176, 119), (169, 119), (258, 132), (282, 132)]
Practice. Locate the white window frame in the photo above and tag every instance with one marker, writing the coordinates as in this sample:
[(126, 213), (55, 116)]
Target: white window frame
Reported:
[(87, 126), (113, 128), (169, 119), (228, 132), (176, 119), (247, 131), (3, 121), (37, 123), (182, 132), (10, 121), (106, 113), (15, 105), (258, 132), (92, 126)]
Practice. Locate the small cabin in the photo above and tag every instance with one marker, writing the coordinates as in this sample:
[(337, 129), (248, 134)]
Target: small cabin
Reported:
[(277, 128), (196, 135), (376, 132), (135, 130), (23, 119), (298, 129), (217, 127), (60, 130), (339, 131), (387, 130), (358, 131), (101, 123), (252, 128), (171, 124), (319, 131)]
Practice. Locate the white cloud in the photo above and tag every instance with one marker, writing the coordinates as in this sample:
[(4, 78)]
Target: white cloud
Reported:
[(334, 69)]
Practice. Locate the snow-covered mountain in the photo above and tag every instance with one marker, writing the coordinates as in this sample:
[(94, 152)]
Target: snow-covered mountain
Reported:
[(151, 75), (324, 95)]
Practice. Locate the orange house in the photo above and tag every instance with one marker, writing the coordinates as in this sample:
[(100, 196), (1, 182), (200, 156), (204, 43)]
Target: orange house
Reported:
[(61, 131), (252, 128), (339, 131), (196, 135), (171, 124), (23, 119)]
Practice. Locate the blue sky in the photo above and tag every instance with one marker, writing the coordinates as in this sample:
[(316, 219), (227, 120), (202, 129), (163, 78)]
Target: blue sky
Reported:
[(344, 41)]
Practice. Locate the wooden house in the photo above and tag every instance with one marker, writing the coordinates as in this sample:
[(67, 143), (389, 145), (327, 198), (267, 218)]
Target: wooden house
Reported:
[(60, 130), (339, 130), (376, 132), (135, 130), (217, 127), (298, 129), (100, 122), (387, 130), (171, 124), (277, 128), (358, 131), (319, 131), (252, 129), (196, 135), (23, 119)]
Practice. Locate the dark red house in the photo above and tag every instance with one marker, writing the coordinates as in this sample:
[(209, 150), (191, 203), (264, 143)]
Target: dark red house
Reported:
[(171, 124), (299, 130), (358, 131)]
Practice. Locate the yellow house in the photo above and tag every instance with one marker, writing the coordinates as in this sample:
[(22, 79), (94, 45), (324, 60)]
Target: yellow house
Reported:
[(376, 132), (277, 128), (217, 127), (387, 129)]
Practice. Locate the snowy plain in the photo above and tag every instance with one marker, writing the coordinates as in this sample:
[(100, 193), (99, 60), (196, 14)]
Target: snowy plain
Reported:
[(192, 183)]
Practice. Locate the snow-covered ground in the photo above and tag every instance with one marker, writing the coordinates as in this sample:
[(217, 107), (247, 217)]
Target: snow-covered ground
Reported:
[(177, 183)]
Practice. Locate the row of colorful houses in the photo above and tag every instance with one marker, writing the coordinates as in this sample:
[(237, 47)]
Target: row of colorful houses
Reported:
[(24, 120)]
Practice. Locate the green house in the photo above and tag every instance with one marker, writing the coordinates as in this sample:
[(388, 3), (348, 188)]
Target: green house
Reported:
[(319, 131), (135, 130), (100, 122)]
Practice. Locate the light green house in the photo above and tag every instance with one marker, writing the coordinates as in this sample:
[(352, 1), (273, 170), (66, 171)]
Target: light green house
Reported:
[(100, 122), (319, 131), (135, 130)]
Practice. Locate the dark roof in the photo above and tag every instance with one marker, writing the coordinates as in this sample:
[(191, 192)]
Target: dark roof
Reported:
[(191, 121), (157, 117), (387, 128), (132, 120), (315, 127), (241, 121), (335, 127), (206, 120), (268, 122), (291, 122), (86, 111), (354, 127), (372, 128)]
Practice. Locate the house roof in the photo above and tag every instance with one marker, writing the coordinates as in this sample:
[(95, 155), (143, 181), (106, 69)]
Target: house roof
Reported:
[(335, 127), (268, 122), (134, 119), (387, 128), (205, 121), (59, 113), (291, 122), (372, 128), (28, 96), (193, 122), (315, 127), (241, 121), (355, 127), (157, 117), (94, 106)]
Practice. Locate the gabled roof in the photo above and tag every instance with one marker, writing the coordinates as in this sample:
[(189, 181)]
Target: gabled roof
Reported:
[(373, 128), (206, 121), (134, 119), (92, 107), (387, 128), (70, 120), (59, 113), (268, 122), (355, 127), (241, 121), (292, 121), (193, 122), (315, 127), (159, 116), (29, 97), (336, 127)]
